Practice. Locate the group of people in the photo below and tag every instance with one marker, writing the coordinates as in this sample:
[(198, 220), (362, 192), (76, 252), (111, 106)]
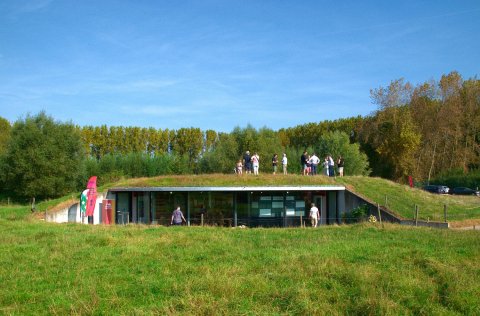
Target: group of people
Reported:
[(310, 164), (252, 162)]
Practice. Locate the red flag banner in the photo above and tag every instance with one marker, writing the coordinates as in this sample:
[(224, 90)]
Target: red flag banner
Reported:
[(92, 195)]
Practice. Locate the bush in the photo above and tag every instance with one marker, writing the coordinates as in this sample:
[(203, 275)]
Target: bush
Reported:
[(356, 215)]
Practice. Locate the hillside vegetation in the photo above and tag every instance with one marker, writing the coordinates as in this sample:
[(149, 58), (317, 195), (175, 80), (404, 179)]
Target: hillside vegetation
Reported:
[(80, 269), (401, 199)]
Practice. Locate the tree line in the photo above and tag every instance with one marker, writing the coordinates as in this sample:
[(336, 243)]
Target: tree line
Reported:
[(423, 131)]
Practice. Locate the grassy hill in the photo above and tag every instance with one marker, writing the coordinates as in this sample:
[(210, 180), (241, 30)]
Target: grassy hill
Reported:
[(401, 199), (357, 269)]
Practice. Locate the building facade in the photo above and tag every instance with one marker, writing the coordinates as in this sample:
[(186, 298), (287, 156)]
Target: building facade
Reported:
[(228, 206)]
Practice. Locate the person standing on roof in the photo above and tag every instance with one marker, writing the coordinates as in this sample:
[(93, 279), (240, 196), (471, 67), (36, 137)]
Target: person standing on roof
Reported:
[(331, 165), (274, 163), (340, 163), (303, 162), (284, 163), (247, 162), (255, 163), (314, 160)]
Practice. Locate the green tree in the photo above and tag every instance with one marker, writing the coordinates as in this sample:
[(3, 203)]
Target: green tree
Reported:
[(393, 134), (188, 142), (210, 139), (223, 157), (338, 144), (44, 158), (5, 128)]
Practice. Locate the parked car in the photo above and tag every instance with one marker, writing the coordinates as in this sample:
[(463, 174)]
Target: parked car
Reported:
[(439, 189), (465, 191)]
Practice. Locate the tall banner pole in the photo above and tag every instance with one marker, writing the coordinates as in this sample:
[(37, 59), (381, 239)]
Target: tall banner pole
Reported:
[(92, 198)]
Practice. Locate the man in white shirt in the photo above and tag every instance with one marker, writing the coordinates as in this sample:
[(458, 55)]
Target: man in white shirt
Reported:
[(314, 161), (314, 214)]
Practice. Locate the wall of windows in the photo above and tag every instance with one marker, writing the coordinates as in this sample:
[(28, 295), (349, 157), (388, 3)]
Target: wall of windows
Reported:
[(271, 208)]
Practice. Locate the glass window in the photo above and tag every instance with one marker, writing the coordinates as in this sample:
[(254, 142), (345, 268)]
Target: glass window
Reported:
[(123, 207)]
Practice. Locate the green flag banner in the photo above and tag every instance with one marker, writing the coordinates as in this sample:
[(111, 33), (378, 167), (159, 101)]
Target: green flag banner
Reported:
[(83, 201)]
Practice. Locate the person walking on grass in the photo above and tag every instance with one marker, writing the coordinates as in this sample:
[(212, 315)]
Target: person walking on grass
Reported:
[(314, 214), (177, 217)]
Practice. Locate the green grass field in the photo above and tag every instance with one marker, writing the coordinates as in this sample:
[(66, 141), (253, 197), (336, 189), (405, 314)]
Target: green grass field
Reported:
[(356, 269)]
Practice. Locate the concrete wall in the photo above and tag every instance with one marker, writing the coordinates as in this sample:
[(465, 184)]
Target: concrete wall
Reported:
[(410, 222), (62, 216)]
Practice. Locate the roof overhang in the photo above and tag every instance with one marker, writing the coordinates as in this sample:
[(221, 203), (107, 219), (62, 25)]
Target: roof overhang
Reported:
[(230, 189)]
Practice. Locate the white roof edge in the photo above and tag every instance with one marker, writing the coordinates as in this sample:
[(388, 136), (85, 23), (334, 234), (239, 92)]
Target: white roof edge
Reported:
[(231, 189)]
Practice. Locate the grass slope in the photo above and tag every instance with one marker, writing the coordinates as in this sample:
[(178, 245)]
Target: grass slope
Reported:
[(359, 269), (401, 199)]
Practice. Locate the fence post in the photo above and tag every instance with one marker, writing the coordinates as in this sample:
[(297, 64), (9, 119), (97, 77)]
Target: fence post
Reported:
[(416, 215), (379, 214), (201, 219), (301, 221), (445, 212)]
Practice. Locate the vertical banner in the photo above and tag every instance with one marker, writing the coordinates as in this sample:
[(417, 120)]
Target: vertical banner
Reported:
[(92, 195), (83, 202), (107, 212)]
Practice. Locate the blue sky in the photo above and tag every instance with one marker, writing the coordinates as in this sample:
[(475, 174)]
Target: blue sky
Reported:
[(221, 64)]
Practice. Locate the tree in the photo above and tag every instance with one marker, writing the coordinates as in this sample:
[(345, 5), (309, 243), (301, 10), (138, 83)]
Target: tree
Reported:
[(44, 158), (223, 157), (188, 142), (210, 140), (338, 144), (5, 128), (393, 134)]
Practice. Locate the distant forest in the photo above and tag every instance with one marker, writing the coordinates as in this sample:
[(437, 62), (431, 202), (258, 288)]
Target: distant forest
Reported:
[(424, 131)]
